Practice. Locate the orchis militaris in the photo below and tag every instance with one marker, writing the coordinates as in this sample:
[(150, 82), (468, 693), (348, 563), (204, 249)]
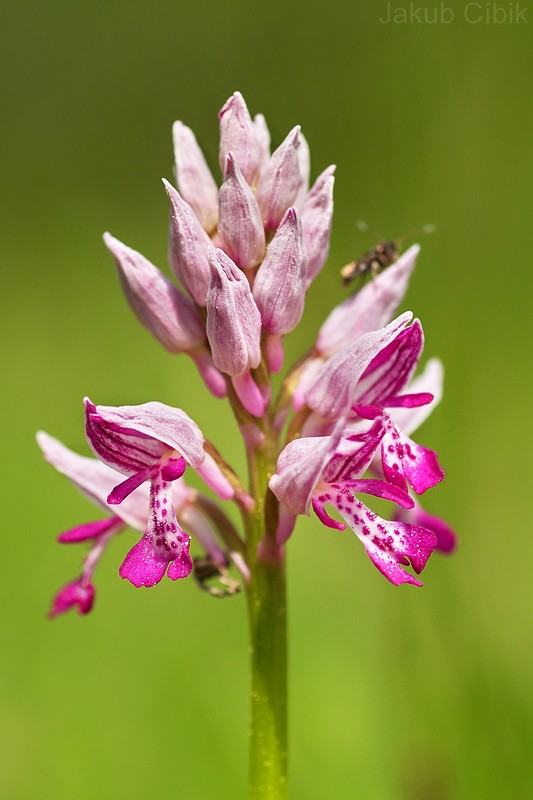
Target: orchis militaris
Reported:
[(244, 256)]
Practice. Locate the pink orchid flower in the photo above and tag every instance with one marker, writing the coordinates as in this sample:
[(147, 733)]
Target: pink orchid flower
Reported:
[(316, 471), (96, 480), (152, 443)]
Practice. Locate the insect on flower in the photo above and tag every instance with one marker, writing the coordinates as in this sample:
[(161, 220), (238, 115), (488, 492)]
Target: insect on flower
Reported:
[(378, 258)]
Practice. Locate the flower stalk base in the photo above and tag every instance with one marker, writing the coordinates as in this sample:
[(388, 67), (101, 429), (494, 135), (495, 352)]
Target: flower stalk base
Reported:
[(267, 617), (268, 686)]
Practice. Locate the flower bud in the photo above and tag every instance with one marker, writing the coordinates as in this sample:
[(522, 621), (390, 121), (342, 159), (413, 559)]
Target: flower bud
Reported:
[(233, 319), (279, 286), (237, 133), (304, 166), (280, 181), (158, 304), (188, 247), (240, 225), (317, 213), (263, 140), (194, 179)]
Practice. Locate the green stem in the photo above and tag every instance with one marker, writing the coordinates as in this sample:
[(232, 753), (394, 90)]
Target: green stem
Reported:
[(267, 616)]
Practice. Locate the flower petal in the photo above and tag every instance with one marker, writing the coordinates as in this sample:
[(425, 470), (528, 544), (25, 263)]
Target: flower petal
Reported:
[(317, 214), (233, 319), (280, 181), (300, 466), (263, 140), (354, 455), (369, 309), (194, 179), (157, 303), (403, 459), (429, 381), (446, 536), (279, 286), (95, 480), (240, 225), (377, 488), (188, 247), (332, 393), (77, 593), (238, 134), (163, 542), (304, 166), (90, 530), (132, 438), (388, 544), (392, 368)]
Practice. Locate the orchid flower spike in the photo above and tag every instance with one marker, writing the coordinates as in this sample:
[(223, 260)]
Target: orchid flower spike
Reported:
[(244, 254)]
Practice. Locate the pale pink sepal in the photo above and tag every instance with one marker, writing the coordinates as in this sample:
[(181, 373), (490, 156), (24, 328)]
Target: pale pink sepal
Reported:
[(237, 133), (95, 480), (233, 319), (132, 438), (280, 181), (317, 214), (333, 391), (391, 369), (78, 594), (299, 469), (263, 140), (157, 303), (249, 394), (304, 167), (194, 179), (240, 226), (188, 247), (279, 286), (368, 309)]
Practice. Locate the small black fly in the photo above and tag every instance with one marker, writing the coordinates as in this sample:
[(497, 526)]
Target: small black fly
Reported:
[(378, 258)]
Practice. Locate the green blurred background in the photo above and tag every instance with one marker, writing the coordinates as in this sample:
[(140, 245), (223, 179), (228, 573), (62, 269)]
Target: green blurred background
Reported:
[(397, 694)]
